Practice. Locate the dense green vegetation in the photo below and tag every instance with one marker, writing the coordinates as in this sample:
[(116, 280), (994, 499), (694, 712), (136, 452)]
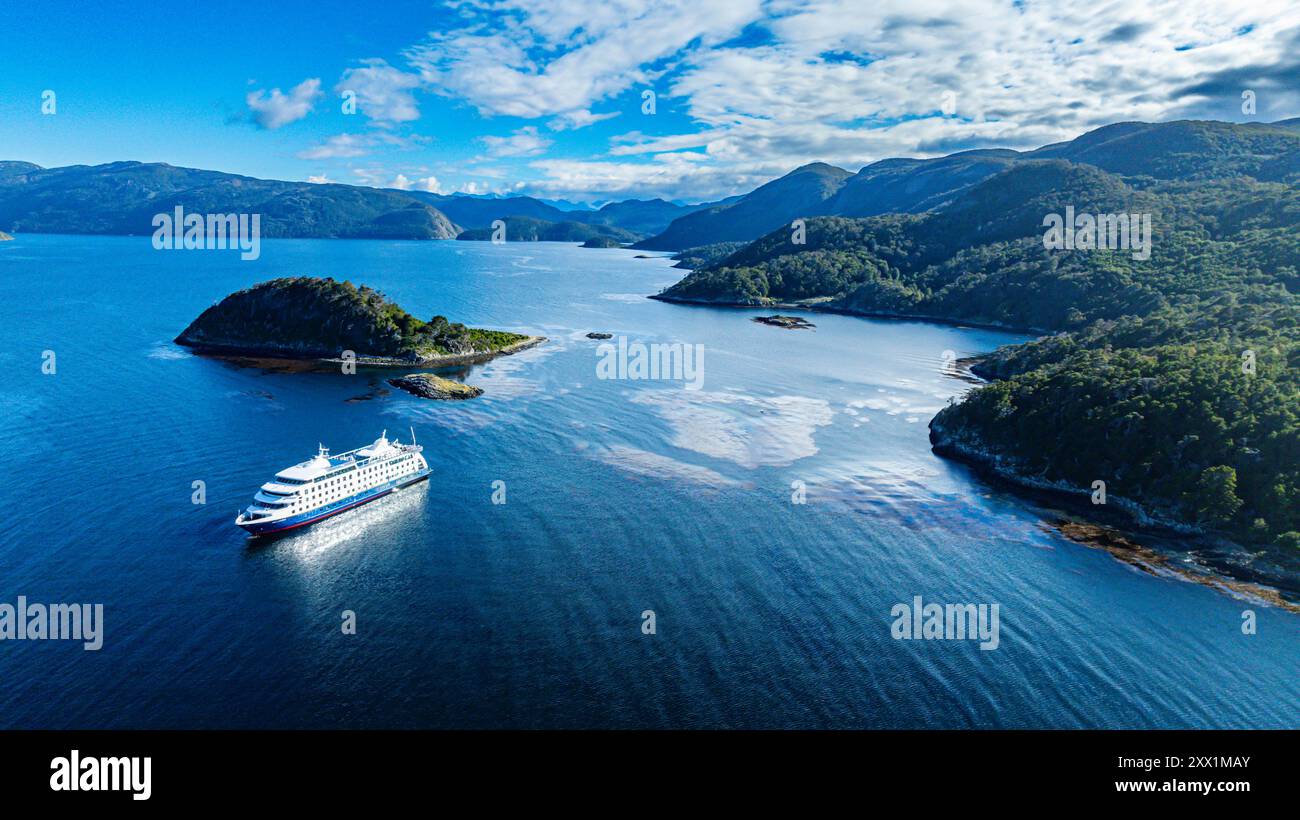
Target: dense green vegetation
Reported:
[(304, 317), (1175, 379), (705, 255)]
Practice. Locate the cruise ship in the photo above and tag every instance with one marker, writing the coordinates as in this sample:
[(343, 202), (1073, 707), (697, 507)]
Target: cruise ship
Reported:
[(326, 485)]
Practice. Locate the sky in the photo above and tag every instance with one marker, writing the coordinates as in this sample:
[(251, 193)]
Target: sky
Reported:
[(613, 99)]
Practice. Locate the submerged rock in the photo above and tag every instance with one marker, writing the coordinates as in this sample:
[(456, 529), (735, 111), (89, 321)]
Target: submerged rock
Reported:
[(431, 386), (788, 322)]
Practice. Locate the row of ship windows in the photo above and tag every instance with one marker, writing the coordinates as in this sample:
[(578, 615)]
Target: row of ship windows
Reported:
[(386, 472)]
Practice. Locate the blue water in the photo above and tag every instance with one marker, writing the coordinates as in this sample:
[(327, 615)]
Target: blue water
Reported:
[(621, 497)]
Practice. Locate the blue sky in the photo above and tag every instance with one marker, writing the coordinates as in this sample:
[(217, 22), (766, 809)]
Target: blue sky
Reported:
[(546, 98)]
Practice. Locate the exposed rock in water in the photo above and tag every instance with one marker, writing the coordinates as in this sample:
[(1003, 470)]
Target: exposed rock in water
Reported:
[(307, 318), (598, 335), (787, 322), (430, 386), (4, 237)]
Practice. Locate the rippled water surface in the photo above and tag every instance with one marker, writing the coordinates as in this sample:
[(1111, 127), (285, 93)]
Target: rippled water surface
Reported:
[(621, 497)]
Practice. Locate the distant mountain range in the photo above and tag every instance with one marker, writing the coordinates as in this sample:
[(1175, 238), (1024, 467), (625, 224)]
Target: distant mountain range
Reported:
[(123, 197), (528, 229), (643, 217), (1174, 150)]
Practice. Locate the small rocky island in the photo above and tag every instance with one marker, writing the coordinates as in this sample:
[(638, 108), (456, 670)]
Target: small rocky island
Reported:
[(432, 386), (4, 237), (787, 322), (602, 242), (305, 318)]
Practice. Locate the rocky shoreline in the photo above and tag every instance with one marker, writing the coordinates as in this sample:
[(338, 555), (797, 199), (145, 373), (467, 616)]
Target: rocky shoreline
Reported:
[(949, 445), (281, 357), (1156, 563), (1113, 527), (448, 360)]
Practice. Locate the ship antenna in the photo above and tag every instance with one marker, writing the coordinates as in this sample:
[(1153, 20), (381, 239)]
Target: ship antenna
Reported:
[(413, 436)]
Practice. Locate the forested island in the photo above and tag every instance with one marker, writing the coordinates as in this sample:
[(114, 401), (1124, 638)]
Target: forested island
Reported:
[(308, 318), (1172, 378)]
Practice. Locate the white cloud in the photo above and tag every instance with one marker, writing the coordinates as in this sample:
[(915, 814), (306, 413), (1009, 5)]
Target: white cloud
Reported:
[(319, 179), (523, 143), (383, 93), (833, 80), (343, 146), (338, 146), (558, 58), (848, 84), (581, 118), (274, 109), (429, 183)]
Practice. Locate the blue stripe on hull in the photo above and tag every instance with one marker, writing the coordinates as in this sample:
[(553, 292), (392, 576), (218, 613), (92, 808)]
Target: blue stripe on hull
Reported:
[(321, 513)]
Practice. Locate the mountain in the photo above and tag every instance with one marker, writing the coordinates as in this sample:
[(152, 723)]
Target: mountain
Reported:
[(123, 197), (891, 185), (11, 168), (1180, 150), (1183, 149), (800, 193), (1171, 368), (643, 216), (527, 229), (480, 212), (914, 185), (868, 264)]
